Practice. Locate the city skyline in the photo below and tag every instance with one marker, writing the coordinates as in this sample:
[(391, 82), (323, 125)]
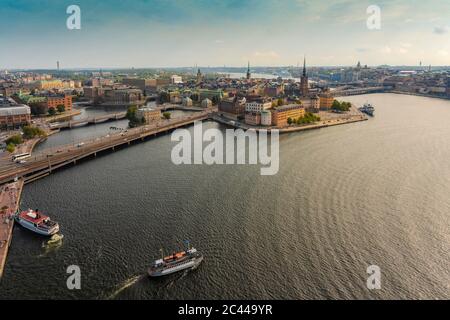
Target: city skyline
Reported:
[(168, 34)]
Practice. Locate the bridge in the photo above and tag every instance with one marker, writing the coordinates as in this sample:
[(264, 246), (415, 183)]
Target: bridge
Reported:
[(87, 121), (114, 117), (356, 91), (44, 163)]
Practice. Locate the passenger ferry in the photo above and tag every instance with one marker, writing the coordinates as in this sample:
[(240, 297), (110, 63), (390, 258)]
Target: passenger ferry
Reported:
[(189, 259), (37, 222), (368, 109)]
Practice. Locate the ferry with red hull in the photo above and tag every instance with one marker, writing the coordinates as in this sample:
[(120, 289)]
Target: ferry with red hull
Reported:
[(37, 222), (184, 260)]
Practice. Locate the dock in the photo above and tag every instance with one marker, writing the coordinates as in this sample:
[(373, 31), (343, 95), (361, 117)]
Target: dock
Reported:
[(9, 205)]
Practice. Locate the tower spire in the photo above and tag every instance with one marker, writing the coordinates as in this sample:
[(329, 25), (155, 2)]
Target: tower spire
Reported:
[(249, 75), (304, 66)]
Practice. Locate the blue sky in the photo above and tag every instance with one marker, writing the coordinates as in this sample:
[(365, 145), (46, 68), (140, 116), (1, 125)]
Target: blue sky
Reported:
[(171, 33)]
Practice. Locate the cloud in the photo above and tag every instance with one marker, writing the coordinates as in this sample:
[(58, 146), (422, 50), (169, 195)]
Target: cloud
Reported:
[(219, 41), (443, 53), (440, 30)]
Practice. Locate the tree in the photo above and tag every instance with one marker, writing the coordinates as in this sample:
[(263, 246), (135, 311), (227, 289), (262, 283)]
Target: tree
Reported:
[(336, 105), (167, 115), (10, 148), (14, 140), (30, 132), (61, 108), (289, 121), (280, 102), (51, 111), (131, 113)]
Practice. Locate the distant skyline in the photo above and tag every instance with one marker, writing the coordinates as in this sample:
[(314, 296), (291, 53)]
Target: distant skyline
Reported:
[(183, 33)]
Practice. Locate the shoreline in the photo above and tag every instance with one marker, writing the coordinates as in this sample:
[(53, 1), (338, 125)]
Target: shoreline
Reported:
[(10, 195), (317, 125)]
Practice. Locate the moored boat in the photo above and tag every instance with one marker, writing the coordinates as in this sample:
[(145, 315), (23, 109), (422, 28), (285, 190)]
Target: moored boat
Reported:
[(184, 260), (368, 109), (37, 222)]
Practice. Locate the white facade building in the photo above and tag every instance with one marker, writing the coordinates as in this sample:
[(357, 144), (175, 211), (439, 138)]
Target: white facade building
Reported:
[(266, 118), (176, 79), (256, 106)]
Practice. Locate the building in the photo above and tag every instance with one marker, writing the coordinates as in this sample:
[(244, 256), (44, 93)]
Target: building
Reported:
[(187, 102), (55, 101), (142, 84), (175, 79), (280, 115), (233, 107), (50, 84), (258, 105), (274, 90), (14, 116), (206, 103), (253, 118), (249, 75), (304, 86), (216, 95), (199, 76), (122, 96), (150, 115), (326, 100), (266, 118)]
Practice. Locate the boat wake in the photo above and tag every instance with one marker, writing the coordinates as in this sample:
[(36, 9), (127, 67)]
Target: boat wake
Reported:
[(52, 245), (125, 285)]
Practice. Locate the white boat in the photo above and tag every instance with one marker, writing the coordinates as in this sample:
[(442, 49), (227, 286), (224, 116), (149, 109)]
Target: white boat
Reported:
[(184, 260), (37, 222)]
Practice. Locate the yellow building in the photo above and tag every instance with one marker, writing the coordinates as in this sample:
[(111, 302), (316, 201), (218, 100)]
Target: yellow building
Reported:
[(281, 114), (326, 100), (50, 84), (149, 114)]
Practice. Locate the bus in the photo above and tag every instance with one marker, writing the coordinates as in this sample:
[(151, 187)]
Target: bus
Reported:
[(20, 157)]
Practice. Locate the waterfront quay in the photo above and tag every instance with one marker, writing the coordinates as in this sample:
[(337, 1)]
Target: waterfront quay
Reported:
[(9, 204)]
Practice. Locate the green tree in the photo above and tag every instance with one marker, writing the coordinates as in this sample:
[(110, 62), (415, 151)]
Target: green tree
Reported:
[(289, 121), (10, 148), (30, 132), (280, 102), (14, 140), (167, 115), (336, 105), (131, 113), (51, 111), (61, 108)]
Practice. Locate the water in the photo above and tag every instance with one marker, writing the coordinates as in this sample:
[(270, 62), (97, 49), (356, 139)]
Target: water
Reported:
[(78, 134), (346, 197)]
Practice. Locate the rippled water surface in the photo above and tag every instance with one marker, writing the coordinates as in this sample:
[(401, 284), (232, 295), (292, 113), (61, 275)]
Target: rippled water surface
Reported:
[(374, 192)]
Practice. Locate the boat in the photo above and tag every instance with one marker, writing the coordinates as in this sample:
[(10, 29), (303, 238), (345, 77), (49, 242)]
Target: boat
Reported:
[(37, 222), (367, 109), (185, 260)]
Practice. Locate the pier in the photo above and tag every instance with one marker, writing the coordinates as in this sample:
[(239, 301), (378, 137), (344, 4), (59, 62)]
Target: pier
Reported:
[(9, 204)]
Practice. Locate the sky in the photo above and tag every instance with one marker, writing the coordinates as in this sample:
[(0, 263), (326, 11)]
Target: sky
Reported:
[(184, 33)]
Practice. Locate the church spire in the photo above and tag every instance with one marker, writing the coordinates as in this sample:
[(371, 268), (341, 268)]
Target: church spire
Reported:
[(249, 75), (304, 66)]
